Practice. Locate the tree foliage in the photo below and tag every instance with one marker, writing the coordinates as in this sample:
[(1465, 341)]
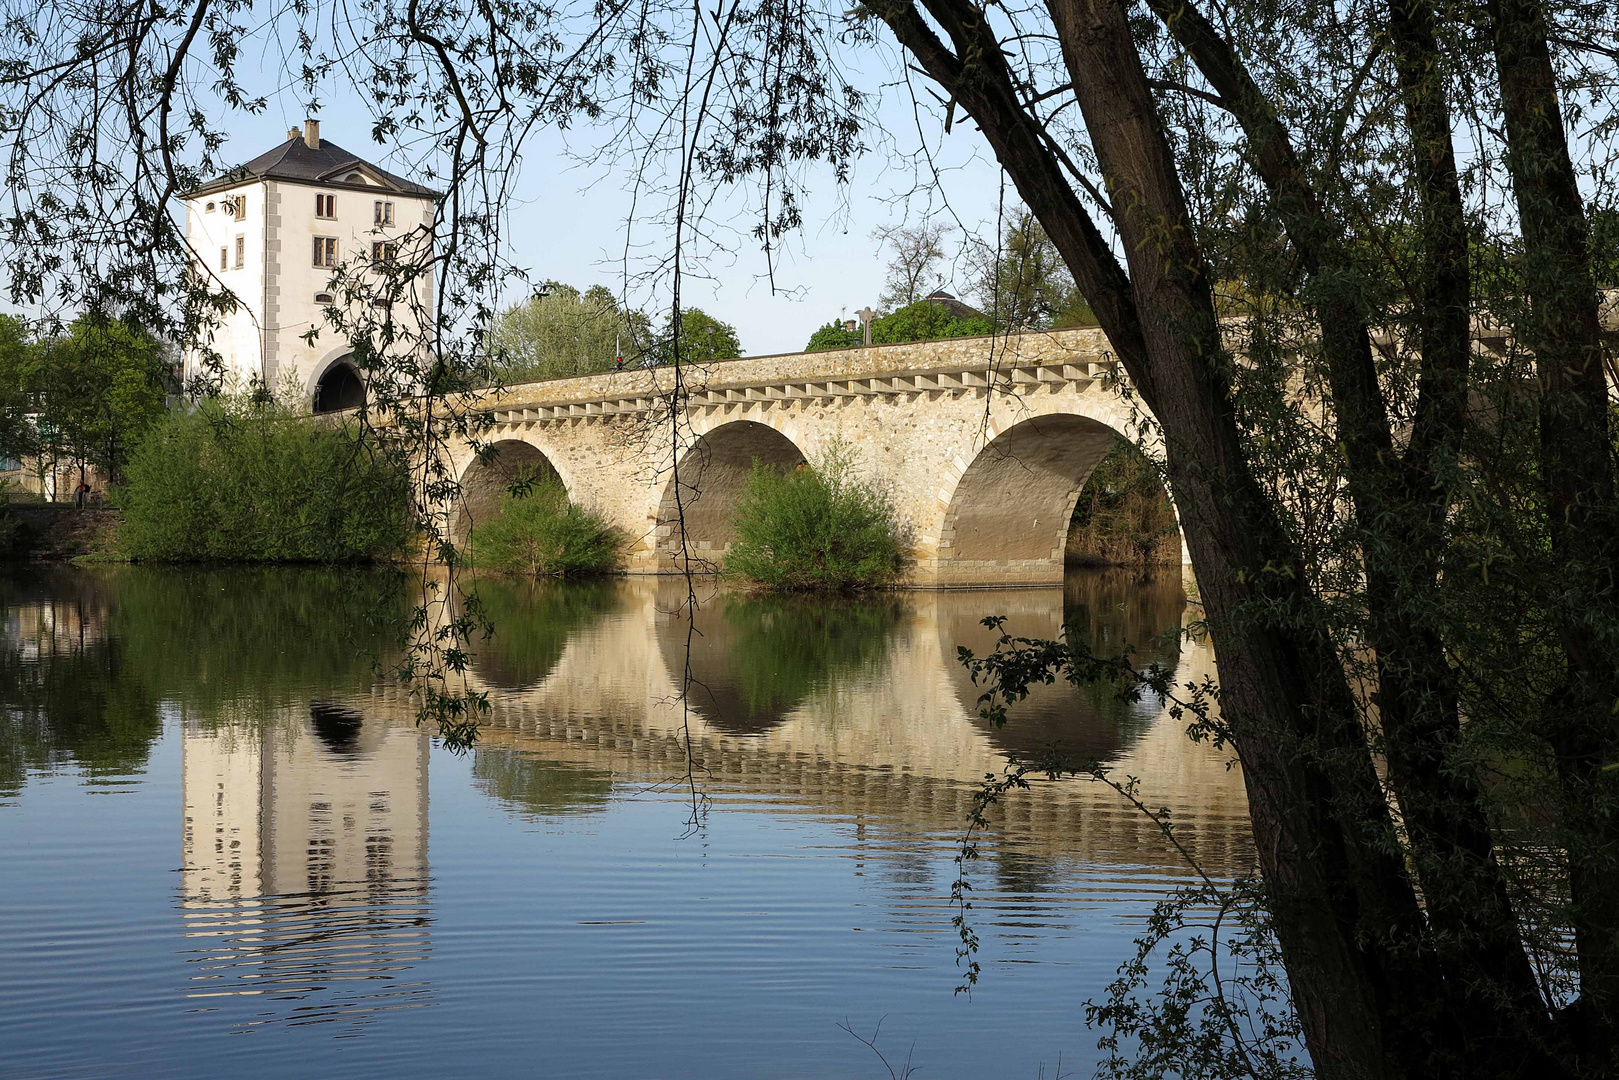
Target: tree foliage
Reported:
[(702, 339), (1293, 294), (85, 397), (1022, 282), (248, 481), (913, 268), (926, 320), (1288, 221), (834, 335), (561, 332)]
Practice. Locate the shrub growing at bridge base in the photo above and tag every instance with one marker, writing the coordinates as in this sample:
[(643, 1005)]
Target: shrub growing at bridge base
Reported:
[(816, 527), (239, 481), (541, 534)]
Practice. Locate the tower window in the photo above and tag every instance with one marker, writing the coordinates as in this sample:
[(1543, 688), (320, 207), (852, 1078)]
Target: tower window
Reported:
[(325, 251), (325, 206), (384, 213), (241, 251)]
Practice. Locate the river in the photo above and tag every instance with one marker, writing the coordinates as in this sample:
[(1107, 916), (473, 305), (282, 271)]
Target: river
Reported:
[(226, 848)]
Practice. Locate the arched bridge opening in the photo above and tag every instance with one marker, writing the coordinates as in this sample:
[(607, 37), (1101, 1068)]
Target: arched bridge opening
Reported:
[(488, 478), (712, 476), (339, 387), (1012, 509)]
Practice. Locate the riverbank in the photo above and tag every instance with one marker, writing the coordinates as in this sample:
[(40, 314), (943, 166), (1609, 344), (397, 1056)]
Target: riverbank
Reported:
[(57, 532)]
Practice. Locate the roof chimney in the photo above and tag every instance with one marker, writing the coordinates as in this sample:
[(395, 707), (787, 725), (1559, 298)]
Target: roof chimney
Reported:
[(312, 134), (294, 133)]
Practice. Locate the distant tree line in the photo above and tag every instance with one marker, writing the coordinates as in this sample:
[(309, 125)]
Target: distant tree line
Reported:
[(83, 397), (561, 332)]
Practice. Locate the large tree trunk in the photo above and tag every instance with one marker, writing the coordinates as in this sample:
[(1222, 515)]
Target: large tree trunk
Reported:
[(1564, 336), (1346, 914), (1401, 501)]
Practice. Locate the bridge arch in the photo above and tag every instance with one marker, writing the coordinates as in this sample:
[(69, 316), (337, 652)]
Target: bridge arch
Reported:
[(712, 473), (484, 483), (338, 386), (1008, 511)]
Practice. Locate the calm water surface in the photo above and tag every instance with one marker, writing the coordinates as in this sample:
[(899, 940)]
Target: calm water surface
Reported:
[(225, 849)]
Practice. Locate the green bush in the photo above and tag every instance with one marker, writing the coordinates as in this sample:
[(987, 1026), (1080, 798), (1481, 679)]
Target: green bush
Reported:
[(241, 482), (834, 335), (540, 533), (817, 527), (927, 320)]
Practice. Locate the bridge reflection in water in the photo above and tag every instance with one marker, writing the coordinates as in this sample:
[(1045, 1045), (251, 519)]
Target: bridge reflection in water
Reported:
[(855, 708), (306, 878)]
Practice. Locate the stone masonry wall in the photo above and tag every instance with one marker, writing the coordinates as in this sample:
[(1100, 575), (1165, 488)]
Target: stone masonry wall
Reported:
[(983, 443)]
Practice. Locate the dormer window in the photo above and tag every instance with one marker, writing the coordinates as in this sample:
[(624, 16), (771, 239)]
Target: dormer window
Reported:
[(353, 178), (384, 213)]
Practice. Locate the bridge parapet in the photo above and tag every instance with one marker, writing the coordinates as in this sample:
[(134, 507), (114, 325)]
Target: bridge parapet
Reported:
[(980, 365)]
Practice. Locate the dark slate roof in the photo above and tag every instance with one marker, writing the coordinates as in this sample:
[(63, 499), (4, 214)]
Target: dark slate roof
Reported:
[(294, 160), (954, 306)]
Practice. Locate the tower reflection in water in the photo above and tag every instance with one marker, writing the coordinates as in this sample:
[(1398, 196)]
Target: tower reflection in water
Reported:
[(305, 877)]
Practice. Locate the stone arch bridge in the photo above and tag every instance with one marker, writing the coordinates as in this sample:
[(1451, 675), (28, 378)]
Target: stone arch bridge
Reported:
[(982, 443)]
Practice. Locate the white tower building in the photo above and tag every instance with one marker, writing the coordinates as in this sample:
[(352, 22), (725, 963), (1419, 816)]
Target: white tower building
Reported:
[(274, 231)]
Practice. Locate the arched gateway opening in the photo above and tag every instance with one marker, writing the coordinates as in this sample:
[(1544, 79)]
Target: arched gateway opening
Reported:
[(1011, 511), (712, 476), (339, 388), (485, 482)]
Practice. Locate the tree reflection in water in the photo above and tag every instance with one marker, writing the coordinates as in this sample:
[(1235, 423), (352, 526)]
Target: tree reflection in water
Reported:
[(533, 786), (69, 694), (533, 621), (304, 893), (304, 834), (754, 659), (87, 655)]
